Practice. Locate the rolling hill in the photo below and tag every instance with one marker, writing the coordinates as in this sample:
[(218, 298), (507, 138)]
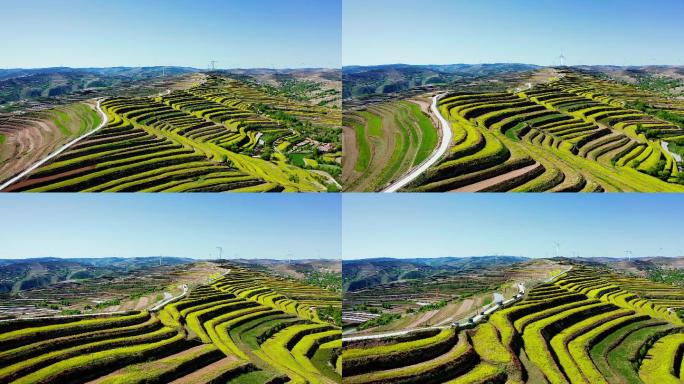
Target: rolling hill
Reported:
[(360, 81), (240, 326), (591, 323)]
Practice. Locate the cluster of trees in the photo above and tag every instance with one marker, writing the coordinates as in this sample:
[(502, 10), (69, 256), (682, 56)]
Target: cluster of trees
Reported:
[(641, 106), (648, 132), (108, 303), (429, 307), (366, 308), (667, 276), (328, 280), (331, 313), (299, 90), (383, 319), (660, 84)]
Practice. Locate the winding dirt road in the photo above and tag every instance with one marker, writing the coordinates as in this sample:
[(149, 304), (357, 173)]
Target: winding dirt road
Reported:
[(168, 298), (446, 136)]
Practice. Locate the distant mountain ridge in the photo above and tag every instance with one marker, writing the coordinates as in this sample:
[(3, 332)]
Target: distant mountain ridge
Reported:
[(364, 81), (359, 81), (10, 73), (365, 273), (34, 84), (21, 274), (101, 261)]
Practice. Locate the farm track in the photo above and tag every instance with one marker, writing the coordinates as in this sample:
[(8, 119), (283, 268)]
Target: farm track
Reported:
[(245, 326), (575, 328), (445, 141)]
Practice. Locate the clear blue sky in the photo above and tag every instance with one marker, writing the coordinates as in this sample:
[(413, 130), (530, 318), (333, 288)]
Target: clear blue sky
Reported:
[(237, 33), (617, 32), (187, 225), (435, 225)]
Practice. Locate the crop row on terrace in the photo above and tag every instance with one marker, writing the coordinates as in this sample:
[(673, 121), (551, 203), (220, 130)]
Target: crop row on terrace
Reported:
[(29, 137), (384, 141), (245, 327), (584, 327), (211, 137), (564, 135)]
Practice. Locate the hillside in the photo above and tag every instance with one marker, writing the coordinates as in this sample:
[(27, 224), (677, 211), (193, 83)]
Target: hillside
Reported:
[(436, 292), (315, 86), (324, 273), (242, 326), (553, 129), (587, 325), (216, 134)]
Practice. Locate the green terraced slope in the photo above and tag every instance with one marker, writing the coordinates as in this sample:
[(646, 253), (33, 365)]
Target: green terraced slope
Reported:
[(388, 140), (574, 133), (246, 327), (217, 136), (589, 326)]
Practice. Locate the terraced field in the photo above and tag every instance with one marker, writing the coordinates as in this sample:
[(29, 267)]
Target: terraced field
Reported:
[(419, 299), (385, 141), (589, 325), (220, 135), (574, 133), (246, 327), (27, 138), (437, 300)]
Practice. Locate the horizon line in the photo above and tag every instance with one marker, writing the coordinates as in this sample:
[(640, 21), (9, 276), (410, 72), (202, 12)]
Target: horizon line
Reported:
[(524, 257), (164, 66), (520, 63), (170, 257)]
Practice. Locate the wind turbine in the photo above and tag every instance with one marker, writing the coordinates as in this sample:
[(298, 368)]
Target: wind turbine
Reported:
[(220, 252), (561, 58), (628, 254), (557, 248)]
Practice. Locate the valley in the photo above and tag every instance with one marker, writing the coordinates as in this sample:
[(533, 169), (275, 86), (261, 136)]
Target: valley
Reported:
[(587, 322)]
